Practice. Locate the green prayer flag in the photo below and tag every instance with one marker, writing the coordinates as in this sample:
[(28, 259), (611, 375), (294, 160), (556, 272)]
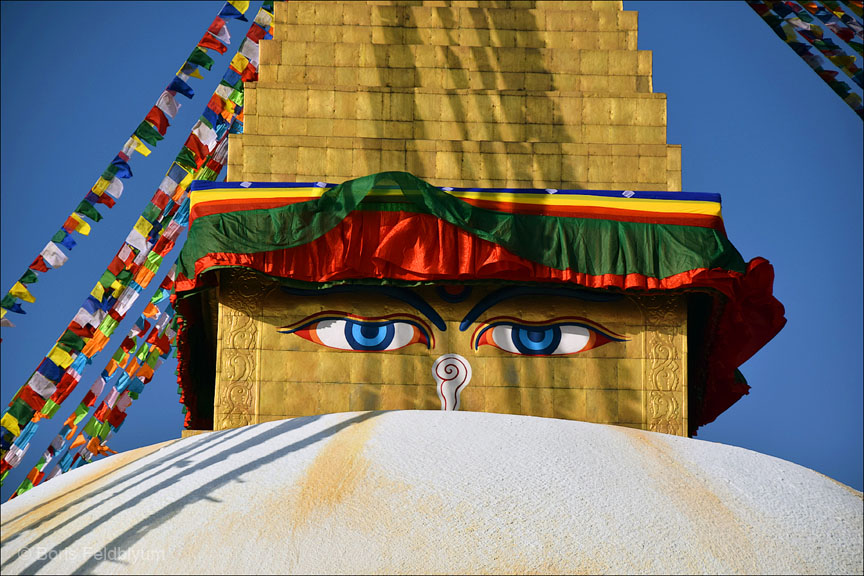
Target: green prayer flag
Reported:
[(207, 173), (93, 427), (237, 95), (69, 338), (104, 429), (153, 261), (108, 325), (110, 172), (59, 236), (151, 212), (125, 276), (186, 159), (50, 408), (8, 301), (21, 411), (88, 210), (107, 279), (200, 58), (29, 277), (148, 133), (25, 486)]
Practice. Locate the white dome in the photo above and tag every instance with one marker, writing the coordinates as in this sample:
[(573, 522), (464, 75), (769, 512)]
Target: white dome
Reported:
[(435, 492)]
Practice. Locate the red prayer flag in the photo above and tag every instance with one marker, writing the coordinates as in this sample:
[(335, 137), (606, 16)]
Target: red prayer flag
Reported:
[(250, 74), (158, 119), (216, 104), (116, 417), (216, 26), (101, 412), (70, 225), (163, 246), (107, 200), (256, 33), (197, 148), (82, 331), (39, 264), (127, 344), (89, 399), (64, 388), (116, 266), (32, 399), (160, 199), (163, 343), (210, 41)]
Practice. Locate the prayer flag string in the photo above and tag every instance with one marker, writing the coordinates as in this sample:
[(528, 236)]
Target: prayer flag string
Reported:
[(109, 186), (789, 20), (137, 261)]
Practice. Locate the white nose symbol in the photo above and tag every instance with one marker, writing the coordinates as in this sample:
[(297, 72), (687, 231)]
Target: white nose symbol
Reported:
[(452, 373)]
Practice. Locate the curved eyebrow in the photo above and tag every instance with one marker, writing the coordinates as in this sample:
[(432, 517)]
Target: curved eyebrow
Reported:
[(395, 292), (513, 291)]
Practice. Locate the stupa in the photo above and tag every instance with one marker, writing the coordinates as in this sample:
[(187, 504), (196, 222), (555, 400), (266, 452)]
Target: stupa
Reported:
[(451, 251)]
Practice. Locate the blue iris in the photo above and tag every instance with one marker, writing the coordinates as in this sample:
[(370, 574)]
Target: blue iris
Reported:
[(536, 340), (369, 335)]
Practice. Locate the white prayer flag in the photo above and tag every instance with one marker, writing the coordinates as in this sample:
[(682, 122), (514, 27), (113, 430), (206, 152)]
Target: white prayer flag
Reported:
[(53, 255), (41, 385), (168, 104)]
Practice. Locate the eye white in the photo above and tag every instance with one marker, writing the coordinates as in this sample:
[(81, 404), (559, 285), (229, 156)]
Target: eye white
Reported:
[(402, 335), (502, 335), (573, 339), (332, 333)]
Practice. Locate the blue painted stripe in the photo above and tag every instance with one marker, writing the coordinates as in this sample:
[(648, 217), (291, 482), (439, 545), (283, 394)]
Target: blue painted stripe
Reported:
[(197, 185)]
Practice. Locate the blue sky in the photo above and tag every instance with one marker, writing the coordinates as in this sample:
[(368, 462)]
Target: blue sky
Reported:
[(756, 125)]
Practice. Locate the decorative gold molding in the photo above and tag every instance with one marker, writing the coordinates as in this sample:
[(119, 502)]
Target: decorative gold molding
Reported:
[(241, 296), (665, 390)]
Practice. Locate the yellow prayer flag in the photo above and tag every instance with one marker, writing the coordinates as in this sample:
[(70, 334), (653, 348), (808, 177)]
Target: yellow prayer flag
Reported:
[(239, 62), (60, 357), (140, 147), (187, 180), (117, 288), (20, 291), (196, 74), (100, 186), (2, 312), (241, 5), (143, 227), (11, 424), (98, 292), (82, 226)]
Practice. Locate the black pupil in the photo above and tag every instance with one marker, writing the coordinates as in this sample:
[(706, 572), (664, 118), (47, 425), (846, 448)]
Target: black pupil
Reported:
[(535, 335), (369, 331)]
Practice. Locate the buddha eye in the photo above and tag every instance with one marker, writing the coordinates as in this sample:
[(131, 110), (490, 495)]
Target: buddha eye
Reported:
[(558, 338), (349, 332)]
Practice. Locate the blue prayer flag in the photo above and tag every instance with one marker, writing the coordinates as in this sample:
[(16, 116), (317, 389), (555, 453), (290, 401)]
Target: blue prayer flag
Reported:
[(123, 169), (50, 370), (229, 11), (178, 85)]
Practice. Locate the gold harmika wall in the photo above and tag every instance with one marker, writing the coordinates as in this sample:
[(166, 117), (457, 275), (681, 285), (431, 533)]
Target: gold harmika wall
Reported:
[(265, 375), (510, 94)]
